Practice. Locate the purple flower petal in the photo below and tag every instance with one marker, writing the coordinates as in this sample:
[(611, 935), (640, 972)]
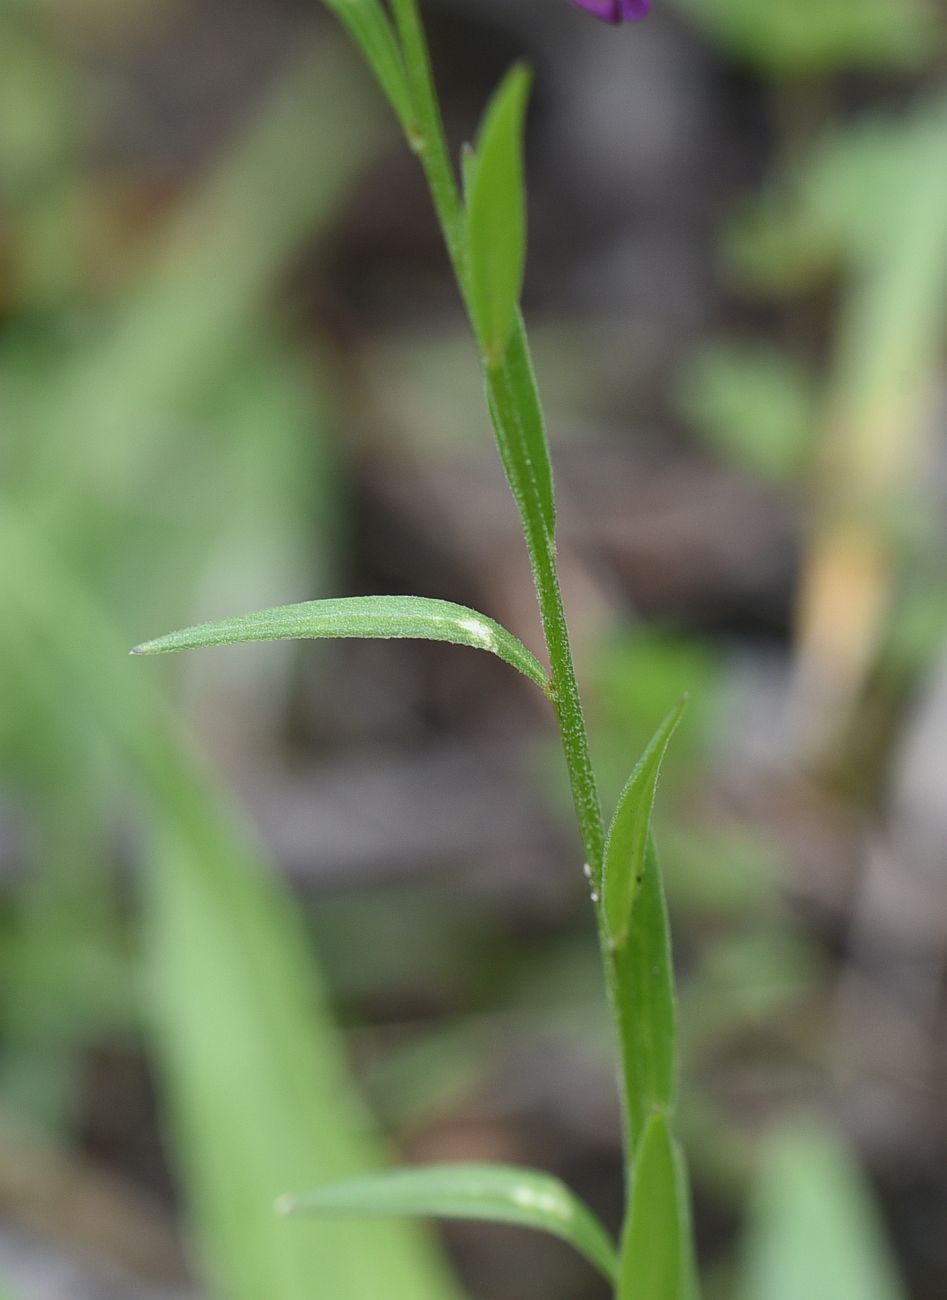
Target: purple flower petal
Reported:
[(616, 11)]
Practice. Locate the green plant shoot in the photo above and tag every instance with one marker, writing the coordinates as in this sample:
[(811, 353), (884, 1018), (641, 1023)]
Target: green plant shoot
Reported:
[(484, 229)]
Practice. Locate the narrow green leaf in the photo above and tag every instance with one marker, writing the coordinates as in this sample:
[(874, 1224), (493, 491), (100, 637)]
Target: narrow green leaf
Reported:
[(496, 216), (814, 1230), (628, 833), (371, 30), (384, 617), (517, 416), (497, 1193), (654, 1245), (644, 978)]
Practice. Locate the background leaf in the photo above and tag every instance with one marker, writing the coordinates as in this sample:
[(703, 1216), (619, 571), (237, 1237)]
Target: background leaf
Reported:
[(383, 617), (816, 36), (813, 1229), (498, 1193), (253, 1078), (753, 405)]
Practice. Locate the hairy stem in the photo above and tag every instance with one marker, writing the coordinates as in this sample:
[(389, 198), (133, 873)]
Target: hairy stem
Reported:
[(429, 142), (506, 390)]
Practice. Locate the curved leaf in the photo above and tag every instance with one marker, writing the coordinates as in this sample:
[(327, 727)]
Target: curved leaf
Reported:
[(497, 1193), (384, 617), (628, 833)]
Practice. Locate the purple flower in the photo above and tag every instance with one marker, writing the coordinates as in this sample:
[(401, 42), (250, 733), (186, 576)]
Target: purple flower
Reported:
[(616, 11)]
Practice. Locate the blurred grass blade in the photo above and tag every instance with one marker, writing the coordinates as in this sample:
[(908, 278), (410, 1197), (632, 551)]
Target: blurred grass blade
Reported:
[(813, 1229), (496, 1193), (384, 617), (200, 296), (252, 1075), (628, 833), (645, 984), (371, 30), (496, 216), (653, 1256), (252, 1071)]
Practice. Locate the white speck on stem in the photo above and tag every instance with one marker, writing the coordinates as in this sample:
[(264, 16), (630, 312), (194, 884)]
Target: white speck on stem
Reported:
[(284, 1205), (587, 871)]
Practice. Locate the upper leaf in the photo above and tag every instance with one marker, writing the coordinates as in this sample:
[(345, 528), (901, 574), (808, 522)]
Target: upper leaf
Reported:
[(498, 1193), (360, 616), (628, 833), (496, 215)]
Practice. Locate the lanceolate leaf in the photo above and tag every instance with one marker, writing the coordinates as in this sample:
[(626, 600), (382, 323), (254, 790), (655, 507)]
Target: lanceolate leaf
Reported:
[(382, 617), (628, 834), (654, 1247), (372, 32), (640, 945), (496, 216), (645, 994), (498, 1193)]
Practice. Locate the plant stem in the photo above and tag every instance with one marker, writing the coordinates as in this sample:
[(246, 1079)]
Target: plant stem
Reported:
[(430, 142), (566, 699), (431, 146), (507, 395)]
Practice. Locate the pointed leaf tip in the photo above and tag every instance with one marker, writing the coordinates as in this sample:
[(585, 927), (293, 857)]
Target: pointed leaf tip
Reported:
[(495, 1193), (630, 828)]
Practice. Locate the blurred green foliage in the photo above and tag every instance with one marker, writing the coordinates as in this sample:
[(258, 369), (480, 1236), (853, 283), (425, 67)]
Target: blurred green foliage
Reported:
[(813, 1230), (849, 237), (161, 420), (755, 406), (813, 37)]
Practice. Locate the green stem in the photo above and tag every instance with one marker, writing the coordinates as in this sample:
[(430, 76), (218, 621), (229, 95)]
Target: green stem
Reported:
[(431, 146), (511, 393), (541, 545), (429, 142)]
